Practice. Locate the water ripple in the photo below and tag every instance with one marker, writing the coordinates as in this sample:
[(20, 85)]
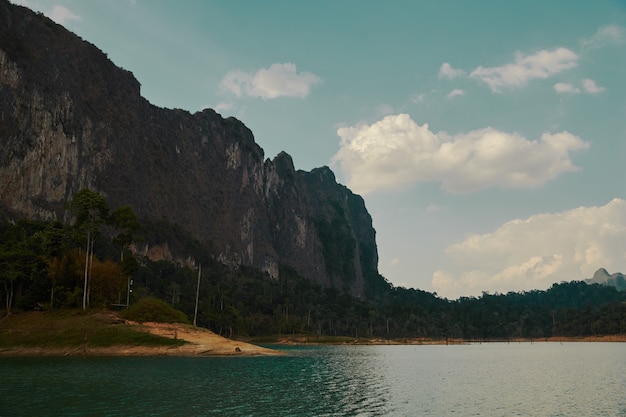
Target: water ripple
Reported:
[(476, 380)]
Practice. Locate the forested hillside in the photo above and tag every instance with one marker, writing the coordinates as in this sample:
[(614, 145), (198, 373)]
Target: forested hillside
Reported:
[(42, 266)]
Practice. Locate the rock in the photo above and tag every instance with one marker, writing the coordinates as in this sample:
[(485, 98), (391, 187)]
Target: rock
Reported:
[(601, 276), (70, 119)]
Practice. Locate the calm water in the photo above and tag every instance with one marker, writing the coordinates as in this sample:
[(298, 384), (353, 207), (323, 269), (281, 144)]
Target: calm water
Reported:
[(541, 379)]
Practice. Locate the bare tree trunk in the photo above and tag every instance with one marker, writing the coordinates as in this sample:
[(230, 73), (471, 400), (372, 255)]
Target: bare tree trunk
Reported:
[(86, 272), (195, 314), (128, 292), (9, 291), (90, 265)]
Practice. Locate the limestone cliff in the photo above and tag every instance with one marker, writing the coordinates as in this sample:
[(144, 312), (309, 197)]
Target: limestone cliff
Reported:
[(601, 276), (69, 119)]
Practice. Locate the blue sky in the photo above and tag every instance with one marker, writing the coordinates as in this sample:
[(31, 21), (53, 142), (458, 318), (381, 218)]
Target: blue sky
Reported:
[(488, 138)]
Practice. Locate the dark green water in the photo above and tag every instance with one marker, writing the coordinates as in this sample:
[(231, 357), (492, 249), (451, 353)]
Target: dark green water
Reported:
[(541, 379)]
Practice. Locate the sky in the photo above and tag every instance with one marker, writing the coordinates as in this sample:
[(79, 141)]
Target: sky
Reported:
[(487, 138)]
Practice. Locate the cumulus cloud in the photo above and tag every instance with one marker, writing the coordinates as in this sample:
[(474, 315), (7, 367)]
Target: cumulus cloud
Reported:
[(591, 87), (279, 80), (525, 68), (62, 15), (536, 252), (455, 92), (395, 152), (223, 107), (588, 85), (446, 71), (566, 88), (606, 35)]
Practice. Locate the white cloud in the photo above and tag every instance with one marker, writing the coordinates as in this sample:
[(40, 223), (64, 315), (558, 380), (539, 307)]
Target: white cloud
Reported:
[(419, 98), (566, 88), (279, 80), (588, 85), (591, 87), (455, 92), (525, 68), (223, 107), (446, 71), (62, 15), (536, 252), (395, 153), (606, 35)]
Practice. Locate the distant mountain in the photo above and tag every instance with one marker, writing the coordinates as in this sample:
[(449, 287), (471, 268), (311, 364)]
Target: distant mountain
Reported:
[(70, 119), (601, 276)]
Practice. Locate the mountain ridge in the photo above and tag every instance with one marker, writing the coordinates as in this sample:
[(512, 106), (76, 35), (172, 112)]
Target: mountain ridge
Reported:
[(71, 119), (602, 276)]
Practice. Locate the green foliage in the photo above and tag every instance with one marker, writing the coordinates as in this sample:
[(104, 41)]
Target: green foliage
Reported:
[(64, 328), (41, 264), (125, 221), (154, 310), (90, 210)]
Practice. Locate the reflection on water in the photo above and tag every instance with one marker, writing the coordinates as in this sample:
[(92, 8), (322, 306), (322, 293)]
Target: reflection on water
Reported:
[(542, 379)]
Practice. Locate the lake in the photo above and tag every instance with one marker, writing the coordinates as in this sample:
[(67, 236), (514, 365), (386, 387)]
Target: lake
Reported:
[(492, 379)]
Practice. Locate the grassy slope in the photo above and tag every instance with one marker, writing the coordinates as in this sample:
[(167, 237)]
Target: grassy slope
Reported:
[(73, 328)]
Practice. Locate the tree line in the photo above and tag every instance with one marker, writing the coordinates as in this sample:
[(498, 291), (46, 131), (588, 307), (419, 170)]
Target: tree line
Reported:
[(88, 264)]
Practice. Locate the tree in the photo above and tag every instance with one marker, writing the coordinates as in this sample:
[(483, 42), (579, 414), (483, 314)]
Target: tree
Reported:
[(90, 210), (55, 242), (20, 260), (125, 221)]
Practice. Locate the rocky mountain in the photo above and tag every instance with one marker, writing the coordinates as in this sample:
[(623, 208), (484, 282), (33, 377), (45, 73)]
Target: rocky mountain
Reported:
[(601, 276), (70, 119)]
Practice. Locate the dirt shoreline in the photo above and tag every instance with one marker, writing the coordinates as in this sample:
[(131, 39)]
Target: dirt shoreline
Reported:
[(304, 340), (203, 342), (200, 342)]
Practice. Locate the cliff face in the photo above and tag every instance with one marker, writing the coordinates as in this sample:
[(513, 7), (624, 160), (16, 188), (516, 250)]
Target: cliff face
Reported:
[(70, 119), (601, 276)]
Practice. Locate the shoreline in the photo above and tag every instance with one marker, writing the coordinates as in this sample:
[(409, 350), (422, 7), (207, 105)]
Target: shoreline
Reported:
[(304, 340), (212, 345), (199, 342)]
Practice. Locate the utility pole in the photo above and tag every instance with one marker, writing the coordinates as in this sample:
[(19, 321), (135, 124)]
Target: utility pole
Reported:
[(128, 290), (195, 314)]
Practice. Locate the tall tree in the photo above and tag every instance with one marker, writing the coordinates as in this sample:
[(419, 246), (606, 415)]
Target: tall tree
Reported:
[(125, 221), (55, 241), (20, 261), (90, 210)]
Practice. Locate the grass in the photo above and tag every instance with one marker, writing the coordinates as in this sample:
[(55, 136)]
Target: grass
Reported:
[(73, 328)]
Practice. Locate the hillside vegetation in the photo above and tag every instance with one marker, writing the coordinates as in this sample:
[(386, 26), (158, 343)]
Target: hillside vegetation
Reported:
[(43, 267), (73, 328)]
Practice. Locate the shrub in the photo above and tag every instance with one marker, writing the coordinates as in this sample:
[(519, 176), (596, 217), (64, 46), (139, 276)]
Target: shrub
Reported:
[(153, 309)]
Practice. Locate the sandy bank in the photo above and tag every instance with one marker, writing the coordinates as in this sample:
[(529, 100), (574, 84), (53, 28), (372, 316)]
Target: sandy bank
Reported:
[(201, 342)]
